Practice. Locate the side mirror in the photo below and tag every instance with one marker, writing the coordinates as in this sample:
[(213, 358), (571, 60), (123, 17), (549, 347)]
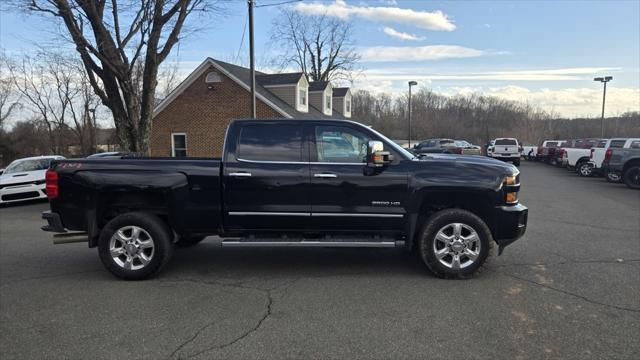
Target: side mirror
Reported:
[(376, 156)]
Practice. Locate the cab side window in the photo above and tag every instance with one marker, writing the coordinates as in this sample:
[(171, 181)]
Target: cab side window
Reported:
[(338, 144), (266, 142)]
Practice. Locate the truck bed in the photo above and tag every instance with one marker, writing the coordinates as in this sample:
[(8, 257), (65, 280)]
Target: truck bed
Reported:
[(193, 183)]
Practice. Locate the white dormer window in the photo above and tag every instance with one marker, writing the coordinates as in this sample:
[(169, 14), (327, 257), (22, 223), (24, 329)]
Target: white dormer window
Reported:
[(302, 96), (327, 102), (348, 105)]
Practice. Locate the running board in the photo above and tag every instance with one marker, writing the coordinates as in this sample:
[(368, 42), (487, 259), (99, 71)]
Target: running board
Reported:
[(311, 243)]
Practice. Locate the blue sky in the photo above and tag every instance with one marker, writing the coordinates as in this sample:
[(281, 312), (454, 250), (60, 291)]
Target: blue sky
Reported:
[(542, 52)]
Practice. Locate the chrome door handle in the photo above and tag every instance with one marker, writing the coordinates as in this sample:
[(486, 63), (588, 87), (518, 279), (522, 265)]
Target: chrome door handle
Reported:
[(325, 175), (240, 174)]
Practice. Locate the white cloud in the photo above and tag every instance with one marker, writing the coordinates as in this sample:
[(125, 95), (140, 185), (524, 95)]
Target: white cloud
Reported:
[(563, 74), (401, 35), (435, 20), (573, 101), (419, 53)]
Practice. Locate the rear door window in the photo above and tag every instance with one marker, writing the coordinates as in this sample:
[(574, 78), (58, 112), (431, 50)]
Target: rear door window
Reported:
[(635, 144), (602, 144), (270, 142)]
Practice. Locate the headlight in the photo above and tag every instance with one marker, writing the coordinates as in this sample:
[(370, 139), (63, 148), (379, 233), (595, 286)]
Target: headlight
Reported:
[(511, 180)]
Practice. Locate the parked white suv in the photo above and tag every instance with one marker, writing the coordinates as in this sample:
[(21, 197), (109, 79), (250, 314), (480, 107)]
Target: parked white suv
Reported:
[(505, 149), (24, 179), (598, 152)]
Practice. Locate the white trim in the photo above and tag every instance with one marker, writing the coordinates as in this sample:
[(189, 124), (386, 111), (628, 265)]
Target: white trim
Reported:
[(280, 85), (197, 73), (173, 145)]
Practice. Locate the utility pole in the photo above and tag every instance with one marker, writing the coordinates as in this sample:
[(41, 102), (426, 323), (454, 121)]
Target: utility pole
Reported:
[(411, 83), (251, 61), (603, 80)]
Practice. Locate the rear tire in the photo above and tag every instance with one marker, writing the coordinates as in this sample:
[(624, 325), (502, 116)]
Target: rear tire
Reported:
[(454, 244), (135, 245), (584, 169), (631, 176), (516, 162)]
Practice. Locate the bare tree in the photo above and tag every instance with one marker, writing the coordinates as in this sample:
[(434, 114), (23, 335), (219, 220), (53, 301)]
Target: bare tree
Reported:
[(121, 44), (319, 45), (57, 91), (8, 101)]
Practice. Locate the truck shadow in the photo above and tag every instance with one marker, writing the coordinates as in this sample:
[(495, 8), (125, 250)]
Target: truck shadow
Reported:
[(209, 258)]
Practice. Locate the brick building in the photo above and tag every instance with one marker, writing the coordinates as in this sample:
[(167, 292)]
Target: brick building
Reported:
[(193, 119)]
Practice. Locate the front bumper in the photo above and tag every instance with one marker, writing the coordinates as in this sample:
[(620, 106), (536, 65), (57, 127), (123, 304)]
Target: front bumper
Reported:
[(509, 225), (9, 194)]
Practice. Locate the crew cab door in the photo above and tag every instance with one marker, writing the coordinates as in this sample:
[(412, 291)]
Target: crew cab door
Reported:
[(266, 177), (344, 194)]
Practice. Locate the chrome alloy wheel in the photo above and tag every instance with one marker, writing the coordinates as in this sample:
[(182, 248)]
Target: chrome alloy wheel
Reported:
[(456, 246), (585, 169), (131, 247)]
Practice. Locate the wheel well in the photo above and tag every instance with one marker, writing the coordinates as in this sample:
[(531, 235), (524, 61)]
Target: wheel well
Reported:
[(114, 204), (630, 163), (582, 159), (434, 202)]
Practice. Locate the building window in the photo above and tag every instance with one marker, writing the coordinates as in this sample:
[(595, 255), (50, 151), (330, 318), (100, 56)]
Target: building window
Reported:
[(178, 144), (348, 105), (328, 101), (303, 97)]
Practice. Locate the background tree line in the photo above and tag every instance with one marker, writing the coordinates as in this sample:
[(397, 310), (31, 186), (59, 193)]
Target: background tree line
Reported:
[(478, 118)]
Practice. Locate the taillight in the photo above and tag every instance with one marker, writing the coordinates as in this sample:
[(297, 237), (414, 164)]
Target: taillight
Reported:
[(457, 150), (51, 180), (591, 154), (562, 151), (607, 156)]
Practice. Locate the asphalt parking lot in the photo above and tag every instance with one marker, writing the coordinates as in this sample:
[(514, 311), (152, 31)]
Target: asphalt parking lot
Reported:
[(569, 289)]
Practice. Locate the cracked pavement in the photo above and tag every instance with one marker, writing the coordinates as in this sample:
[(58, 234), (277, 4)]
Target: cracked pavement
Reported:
[(569, 289)]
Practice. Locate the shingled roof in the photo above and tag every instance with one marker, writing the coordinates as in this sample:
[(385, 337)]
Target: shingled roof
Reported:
[(340, 92), (318, 85), (242, 76), (278, 79)]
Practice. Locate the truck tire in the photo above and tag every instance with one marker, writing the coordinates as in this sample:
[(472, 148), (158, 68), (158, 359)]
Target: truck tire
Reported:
[(516, 162), (631, 176), (188, 241), (454, 244), (135, 245), (612, 177), (584, 169)]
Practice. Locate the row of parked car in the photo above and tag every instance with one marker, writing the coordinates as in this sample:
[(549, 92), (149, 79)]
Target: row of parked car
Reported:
[(617, 159), (24, 179)]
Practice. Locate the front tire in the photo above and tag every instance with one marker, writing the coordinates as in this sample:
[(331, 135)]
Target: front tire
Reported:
[(516, 162), (612, 177), (631, 176), (455, 243), (135, 246)]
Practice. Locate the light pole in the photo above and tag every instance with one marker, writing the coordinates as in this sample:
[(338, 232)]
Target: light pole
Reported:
[(251, 3), (603, 80), (411, 83)]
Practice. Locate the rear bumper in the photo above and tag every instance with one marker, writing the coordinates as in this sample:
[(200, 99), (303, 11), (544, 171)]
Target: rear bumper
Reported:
[(54, 223), (11, 194), (510, 224)]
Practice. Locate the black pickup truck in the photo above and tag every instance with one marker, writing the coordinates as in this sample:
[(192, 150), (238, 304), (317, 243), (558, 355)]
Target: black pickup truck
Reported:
[(325, 183)]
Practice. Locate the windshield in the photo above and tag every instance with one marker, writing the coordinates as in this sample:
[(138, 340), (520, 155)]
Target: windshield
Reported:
[(506, 142), (28, 165), (395, 146)]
